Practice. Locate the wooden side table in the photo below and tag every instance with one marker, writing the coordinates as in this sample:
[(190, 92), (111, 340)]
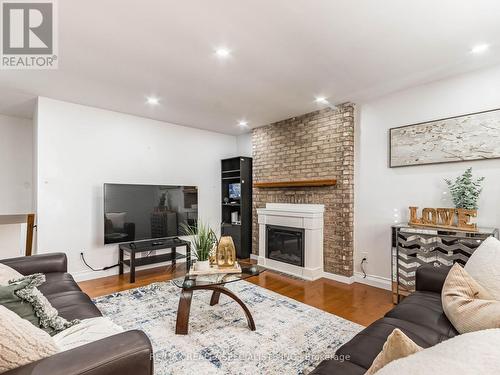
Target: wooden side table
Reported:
[(413, 247)]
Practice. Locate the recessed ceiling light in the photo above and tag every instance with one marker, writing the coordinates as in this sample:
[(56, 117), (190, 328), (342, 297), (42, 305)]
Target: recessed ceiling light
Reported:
[(243, 123), (321, 100), (480, 48), (222, 52), (152, 100)]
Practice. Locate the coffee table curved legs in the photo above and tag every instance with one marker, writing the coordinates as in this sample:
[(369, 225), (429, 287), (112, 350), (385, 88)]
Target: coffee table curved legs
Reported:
[(182, 324), (185, 306), (215, 299)]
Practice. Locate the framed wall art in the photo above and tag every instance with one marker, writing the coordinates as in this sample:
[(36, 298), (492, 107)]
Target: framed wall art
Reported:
[(473, 136)]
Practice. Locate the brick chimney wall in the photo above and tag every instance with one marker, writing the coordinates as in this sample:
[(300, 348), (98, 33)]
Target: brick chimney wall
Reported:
[(317, 145)]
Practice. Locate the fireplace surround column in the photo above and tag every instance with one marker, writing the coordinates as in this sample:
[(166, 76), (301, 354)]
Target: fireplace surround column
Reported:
[(308, 217)]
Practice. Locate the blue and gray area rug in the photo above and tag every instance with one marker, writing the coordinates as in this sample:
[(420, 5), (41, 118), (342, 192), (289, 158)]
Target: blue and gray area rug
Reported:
[(291, 337)]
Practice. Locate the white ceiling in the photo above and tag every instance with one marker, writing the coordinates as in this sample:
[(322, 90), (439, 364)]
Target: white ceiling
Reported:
[(114, 53)]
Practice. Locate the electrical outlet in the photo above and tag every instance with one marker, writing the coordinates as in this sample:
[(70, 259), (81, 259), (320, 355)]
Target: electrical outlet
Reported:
[(364, 255)]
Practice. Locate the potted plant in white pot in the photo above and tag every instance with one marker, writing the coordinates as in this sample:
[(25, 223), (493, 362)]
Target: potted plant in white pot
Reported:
[(203, 240)]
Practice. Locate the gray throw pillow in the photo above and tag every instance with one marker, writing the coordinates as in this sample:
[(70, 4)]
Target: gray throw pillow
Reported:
[(10, 300), (22, 297)]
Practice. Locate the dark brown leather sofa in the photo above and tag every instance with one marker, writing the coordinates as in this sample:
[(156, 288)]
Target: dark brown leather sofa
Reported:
[(128, 353), (420, 316)]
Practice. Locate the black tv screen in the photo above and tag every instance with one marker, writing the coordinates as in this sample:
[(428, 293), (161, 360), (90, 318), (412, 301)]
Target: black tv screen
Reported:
[(141, 212)]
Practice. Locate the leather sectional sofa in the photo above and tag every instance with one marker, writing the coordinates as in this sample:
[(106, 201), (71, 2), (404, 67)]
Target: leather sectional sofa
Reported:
[(128, 353), (420, 316)]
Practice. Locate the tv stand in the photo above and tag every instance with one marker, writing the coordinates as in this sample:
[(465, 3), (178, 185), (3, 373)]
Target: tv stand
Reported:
[(134, 248)]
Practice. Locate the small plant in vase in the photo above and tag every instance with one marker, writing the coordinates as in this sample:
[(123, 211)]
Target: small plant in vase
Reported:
[(203, 240), (465, 190)]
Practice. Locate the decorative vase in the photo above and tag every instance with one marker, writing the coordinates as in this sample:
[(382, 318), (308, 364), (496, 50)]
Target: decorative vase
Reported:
[(202, 265), (226, 252)]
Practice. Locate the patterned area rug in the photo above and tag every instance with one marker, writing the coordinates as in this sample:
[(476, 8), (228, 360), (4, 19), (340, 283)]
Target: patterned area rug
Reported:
[(291, 337)]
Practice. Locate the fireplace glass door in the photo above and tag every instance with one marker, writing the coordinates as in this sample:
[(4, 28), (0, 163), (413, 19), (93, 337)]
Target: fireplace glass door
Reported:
[(285, 244)]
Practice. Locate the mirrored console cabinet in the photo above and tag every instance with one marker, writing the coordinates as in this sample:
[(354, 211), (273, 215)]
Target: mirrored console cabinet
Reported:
[(413, 246)]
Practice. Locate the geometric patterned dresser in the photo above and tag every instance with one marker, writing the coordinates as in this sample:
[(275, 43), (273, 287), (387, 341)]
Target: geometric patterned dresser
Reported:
[(412, 247)]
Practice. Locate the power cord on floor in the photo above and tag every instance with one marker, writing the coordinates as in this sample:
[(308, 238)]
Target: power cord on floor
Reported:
[(93, 269), (363, 261)]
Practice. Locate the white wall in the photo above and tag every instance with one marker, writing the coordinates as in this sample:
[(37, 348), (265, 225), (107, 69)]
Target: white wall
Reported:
[(16, 196), (79, 148), (379, 190), (16, 165), (244, 144), (12, 236)]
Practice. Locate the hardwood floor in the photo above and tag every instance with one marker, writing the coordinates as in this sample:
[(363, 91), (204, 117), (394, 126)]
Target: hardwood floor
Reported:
[(359, 303)]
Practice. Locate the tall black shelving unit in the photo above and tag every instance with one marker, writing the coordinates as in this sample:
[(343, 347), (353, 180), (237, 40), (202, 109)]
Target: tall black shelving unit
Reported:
[(233, 171)]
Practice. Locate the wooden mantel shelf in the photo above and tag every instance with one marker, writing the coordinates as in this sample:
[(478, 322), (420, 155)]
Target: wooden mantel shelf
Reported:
[(288, 184)]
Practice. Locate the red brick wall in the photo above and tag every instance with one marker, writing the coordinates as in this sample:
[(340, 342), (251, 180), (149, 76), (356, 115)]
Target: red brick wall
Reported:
[(317, 145)]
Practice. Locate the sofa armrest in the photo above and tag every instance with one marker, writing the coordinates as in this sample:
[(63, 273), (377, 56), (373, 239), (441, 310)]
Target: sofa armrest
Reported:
[(43, 263), (128, 353), (430, 278)]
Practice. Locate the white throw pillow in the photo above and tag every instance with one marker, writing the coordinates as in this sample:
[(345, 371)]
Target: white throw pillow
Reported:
[(89, 330), (21, 342), (484, 266), (470, 353), (467, 304), (397, 346), (7, 273)]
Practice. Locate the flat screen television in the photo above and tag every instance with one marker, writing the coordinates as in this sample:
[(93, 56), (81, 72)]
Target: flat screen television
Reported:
[(143, 212), (235, 191)]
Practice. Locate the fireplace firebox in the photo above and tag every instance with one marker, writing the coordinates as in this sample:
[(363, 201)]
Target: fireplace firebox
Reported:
[(285, 244)]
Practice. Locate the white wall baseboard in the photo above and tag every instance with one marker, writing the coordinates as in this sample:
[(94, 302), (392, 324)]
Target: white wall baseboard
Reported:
[(373, 280), (339, 278), (90, 275)]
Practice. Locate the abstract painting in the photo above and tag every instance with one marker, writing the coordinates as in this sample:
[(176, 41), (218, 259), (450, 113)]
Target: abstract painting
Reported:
[(467, 137)]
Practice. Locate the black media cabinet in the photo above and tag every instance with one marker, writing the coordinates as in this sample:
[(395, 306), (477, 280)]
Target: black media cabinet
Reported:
[(134, 248), (237, 170)]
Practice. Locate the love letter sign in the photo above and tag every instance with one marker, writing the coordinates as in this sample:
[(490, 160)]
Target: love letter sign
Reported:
[(446, 218)]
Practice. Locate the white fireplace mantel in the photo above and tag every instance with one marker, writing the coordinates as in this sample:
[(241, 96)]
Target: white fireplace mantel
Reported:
[(306, 216)]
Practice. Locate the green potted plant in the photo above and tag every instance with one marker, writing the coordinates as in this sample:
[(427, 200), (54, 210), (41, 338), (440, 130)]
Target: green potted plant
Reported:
[(203, 240), (465, 190)]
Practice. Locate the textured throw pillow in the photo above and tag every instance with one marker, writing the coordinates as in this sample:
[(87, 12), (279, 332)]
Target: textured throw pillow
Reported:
[(89, 330), (21, 342), (7, 273), (484, 266), (471, 353), (22, 297), (397, 345), (468, 305), (10, 300)]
